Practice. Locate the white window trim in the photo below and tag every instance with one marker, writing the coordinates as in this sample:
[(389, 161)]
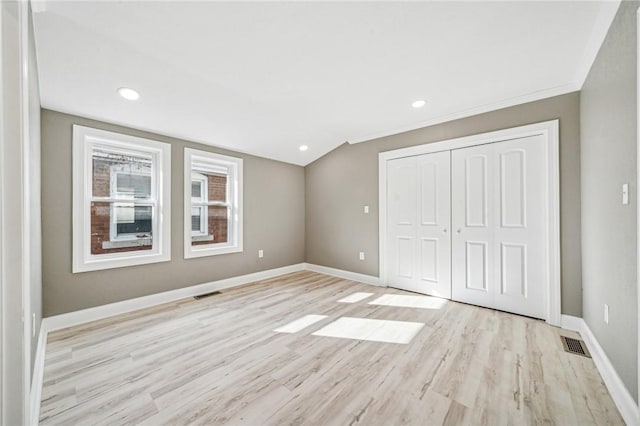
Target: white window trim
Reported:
[(84, 139), (235, 235)]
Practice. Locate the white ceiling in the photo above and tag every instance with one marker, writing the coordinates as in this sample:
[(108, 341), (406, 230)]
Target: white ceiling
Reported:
[(264, 78)]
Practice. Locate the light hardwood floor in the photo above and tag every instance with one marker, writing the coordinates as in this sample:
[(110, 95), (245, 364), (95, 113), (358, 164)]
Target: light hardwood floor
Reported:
[(218, 361)]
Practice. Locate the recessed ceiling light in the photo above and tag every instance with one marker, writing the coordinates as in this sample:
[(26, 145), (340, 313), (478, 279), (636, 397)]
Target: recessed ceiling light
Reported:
[(303, 147), (418, 104), (128, 93)]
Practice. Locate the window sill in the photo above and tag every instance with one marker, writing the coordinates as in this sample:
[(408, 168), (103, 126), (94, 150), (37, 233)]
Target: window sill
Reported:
[(210, 250), (138, 242), (198, 238)]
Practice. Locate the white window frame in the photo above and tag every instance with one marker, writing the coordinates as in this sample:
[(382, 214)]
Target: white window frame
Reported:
[(85, 139), (234, 166)]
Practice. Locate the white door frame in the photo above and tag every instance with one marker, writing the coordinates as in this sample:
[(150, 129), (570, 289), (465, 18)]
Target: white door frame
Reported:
[(27, 176), (638, 188), (550, 131), (14, 223)]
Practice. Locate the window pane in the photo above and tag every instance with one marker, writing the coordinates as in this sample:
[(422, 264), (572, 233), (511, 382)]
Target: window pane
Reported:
[(195, 223), (119, 227), (216, 184), (217, 226), (196, 189), (132, 221), (196, 219), (138, 186), (121, 175)]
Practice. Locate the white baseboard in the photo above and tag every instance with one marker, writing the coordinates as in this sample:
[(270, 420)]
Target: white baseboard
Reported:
[(572, 323), (347, 275), (624, 401), (58, 322)]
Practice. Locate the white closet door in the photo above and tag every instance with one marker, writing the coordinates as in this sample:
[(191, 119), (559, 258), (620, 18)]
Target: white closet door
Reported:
[(418, 226), (472, 176), (402, 228), (520, 236), (498, 213), (434, 223)]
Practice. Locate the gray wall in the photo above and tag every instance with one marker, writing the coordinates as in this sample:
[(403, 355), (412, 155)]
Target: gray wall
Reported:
[(608, 133), (339, 184), (273, 221)]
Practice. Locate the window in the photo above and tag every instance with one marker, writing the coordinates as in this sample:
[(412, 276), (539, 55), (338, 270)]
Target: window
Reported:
[(121, 200), (212, 204)]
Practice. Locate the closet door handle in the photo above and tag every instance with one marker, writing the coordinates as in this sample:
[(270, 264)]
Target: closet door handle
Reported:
[(444, 230), (458, 231)]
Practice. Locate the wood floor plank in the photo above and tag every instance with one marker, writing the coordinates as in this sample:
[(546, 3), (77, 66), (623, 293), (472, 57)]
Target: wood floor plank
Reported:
[(218, 360)]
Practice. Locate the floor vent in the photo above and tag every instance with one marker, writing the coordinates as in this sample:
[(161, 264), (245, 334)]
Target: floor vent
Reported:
[(575, 346), (202, 296)]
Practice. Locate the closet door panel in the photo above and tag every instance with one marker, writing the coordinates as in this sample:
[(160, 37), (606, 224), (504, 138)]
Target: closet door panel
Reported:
[(418, 224), (402, 213), (472, 172), (521, 204), (499, 205), (434, 233)]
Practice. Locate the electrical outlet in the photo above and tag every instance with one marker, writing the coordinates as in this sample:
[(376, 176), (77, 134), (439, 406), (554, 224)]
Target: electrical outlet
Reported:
[(260, 253), (361, 255), (625, 194), (366, 209), (606, 313)]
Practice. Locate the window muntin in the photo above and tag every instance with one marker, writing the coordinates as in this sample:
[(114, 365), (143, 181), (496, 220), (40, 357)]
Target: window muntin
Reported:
[(214, 185), (122, 219), (199, 198)]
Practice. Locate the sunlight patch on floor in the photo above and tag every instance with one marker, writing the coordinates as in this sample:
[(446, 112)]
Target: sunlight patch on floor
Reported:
[(371, 329), (300, 324), (355, 297), (409, 301)]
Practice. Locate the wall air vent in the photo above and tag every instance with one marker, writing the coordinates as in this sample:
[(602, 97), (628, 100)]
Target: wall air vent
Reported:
[(205, 295)]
